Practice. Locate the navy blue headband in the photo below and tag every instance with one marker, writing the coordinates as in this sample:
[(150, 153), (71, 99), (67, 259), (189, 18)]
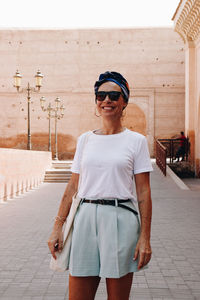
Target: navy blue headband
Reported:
[(114, 77)]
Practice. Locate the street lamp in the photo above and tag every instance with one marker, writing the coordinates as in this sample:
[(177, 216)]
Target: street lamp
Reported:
[(38, 84), (53, 112)]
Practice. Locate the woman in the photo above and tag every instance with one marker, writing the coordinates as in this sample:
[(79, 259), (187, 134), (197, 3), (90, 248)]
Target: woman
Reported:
[(108, 240)]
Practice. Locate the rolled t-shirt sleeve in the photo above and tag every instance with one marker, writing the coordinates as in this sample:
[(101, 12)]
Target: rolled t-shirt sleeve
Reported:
[(76, 165), (142, 161)]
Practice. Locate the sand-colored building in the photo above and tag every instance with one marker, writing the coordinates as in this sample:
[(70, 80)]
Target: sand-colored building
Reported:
[(152, 60), (187, 25)]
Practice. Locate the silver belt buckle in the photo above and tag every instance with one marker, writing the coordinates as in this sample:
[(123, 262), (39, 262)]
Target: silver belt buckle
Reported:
[(116, 202)]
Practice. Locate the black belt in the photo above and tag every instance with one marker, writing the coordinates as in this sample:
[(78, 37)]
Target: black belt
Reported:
[(110, 202)]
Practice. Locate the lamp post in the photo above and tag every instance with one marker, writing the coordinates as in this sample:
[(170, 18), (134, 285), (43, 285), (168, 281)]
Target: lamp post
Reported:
[(38, 84), (57, 113)]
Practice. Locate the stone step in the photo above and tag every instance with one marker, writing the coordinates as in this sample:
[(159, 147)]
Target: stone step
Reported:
[(61, 164), (64, 174), (64, 166), (56, 181), (58, 171), (56, 178)]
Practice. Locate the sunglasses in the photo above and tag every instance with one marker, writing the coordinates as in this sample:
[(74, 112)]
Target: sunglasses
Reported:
[(113, 95)]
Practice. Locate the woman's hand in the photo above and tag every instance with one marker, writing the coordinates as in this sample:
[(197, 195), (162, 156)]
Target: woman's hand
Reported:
[(142, 252), (55, 242)]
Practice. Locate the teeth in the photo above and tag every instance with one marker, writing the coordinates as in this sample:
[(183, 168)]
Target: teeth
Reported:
[(108, 108)]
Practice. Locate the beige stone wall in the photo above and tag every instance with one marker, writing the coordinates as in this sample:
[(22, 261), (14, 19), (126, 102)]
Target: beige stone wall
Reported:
[(21, 171), (169, 103), (151, 59)]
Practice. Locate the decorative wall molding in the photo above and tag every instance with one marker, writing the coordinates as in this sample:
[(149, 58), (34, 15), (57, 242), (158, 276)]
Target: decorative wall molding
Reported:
[(187, 20)]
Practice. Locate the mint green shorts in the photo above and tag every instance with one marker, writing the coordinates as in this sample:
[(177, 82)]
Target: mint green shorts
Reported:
[(103, 241)]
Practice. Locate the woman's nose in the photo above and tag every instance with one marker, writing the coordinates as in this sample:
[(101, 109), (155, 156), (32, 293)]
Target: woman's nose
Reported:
[(107, 99)]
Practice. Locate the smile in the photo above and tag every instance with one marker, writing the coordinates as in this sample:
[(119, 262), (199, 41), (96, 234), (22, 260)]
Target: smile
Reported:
[(108, 108)]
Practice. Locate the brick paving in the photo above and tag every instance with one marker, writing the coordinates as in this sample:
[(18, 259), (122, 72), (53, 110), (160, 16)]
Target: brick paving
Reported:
[(174, 271)]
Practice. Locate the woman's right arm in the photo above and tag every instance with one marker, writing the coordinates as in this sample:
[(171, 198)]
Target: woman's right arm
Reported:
[(56, 235)]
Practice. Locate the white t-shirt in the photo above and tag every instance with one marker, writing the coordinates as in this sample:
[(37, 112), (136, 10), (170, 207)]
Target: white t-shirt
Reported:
[(109, 162)]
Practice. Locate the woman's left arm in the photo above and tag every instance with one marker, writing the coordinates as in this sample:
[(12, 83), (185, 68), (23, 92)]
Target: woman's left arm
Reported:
[(143, 247)]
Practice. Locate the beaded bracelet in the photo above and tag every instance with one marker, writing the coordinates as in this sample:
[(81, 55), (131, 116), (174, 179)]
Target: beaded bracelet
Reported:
[(60, 219)]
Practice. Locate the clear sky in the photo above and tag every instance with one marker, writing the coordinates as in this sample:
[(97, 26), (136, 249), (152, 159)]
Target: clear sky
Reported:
[(87, 13)]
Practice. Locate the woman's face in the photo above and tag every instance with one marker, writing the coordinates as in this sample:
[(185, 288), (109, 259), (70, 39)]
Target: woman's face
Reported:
[(108, 108)]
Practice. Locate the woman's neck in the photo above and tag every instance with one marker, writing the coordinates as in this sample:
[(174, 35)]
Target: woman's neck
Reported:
[(110, 127)]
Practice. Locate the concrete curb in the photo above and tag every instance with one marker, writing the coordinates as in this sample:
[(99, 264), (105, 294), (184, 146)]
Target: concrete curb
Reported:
[(177, 180)]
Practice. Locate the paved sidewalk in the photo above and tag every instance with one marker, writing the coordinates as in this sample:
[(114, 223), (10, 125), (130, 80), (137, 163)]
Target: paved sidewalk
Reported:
[(174, 271)]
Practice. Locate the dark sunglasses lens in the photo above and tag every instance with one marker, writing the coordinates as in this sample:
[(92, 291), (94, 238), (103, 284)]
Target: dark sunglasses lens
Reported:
[(114, 96), (100, 96)]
